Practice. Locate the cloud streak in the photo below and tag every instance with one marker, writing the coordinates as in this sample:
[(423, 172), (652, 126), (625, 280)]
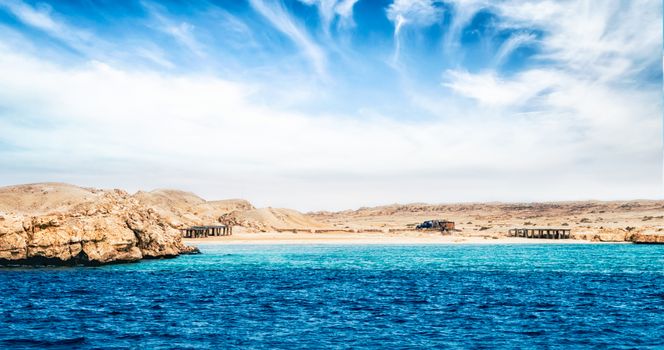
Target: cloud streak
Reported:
[(41, 17), (283, 22), (416, 13)]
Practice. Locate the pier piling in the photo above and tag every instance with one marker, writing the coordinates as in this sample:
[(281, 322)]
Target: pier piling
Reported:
[(541, 233), (206, 231)]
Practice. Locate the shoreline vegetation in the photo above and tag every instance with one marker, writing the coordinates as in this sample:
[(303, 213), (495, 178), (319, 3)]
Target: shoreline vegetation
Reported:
[(50, 223)]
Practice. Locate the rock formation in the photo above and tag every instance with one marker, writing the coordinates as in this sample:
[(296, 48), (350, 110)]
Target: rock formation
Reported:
[(648, 238), (181, 209), (54, 224), (64, 224)]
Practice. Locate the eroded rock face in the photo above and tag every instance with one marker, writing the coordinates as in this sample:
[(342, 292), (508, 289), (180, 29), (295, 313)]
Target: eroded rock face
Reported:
[(648, 238), (604, 235), (105, 227)]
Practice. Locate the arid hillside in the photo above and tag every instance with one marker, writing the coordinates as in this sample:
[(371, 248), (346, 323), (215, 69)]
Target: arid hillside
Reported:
[(588, 219), (182, 209), (55, 222)]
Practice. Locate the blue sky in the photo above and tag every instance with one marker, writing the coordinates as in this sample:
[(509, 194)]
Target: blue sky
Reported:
[(327, 104)]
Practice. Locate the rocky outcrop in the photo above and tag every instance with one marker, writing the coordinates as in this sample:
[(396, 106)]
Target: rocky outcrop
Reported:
[(603, 235), (182, 209), (100, 227), (645, 238)]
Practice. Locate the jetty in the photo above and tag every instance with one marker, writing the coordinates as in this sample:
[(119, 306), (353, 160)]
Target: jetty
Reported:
[(206, 231), (542, 233)]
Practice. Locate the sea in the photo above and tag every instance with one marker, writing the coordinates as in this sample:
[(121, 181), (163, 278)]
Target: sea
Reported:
[(539, 296)]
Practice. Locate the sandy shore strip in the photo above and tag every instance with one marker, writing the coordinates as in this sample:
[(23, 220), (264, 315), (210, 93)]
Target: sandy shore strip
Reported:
[(369, 238)]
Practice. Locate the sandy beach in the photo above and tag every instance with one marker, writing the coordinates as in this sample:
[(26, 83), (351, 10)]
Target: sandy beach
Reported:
[(368, 238)]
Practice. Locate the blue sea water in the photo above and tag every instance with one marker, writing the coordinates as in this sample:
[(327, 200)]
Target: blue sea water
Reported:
[(327, 296)]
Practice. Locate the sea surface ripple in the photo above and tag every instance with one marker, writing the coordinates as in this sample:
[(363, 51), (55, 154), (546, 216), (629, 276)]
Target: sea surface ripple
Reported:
[(344, 296)]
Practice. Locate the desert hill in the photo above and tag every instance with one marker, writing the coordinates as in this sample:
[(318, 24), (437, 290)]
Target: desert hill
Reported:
[(176, 209), (45, 198), (60, 223), (267, 219), (180, 209), (594, 220)]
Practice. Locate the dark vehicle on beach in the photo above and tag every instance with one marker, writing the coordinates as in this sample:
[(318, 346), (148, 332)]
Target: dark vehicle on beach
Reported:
[(441, 225)]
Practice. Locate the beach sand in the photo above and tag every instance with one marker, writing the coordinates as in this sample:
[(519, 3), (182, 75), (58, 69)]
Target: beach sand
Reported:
[(369, 238)]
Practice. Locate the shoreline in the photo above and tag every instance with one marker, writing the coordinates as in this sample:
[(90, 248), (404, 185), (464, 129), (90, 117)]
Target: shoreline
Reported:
[(287, 238)]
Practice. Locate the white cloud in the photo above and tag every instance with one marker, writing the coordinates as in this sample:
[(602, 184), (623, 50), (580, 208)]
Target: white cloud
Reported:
[(329, 10), (36, 17), (414, 12), (183, 32), (283, 22), (610, 40), (146, 129), (180, 31), (514, 42), (555, 132), (156, 56), (463, 13), (344, 9), (41, 17), (590, 92), (490, 90)]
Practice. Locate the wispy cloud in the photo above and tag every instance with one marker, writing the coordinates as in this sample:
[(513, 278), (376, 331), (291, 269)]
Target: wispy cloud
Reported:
[(331, 10), (590, 39), (416, 13), (490, 90), (41, 17), (514, 42), (286, 24), (344, 9), (464, 12), (180, 31), (587, 85)]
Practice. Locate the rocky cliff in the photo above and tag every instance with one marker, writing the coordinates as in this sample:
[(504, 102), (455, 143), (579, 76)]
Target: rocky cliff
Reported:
[(648, 238), (64, 224)]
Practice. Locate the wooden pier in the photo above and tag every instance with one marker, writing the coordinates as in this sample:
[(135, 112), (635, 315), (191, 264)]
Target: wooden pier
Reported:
[(544, 233), (206, 231)]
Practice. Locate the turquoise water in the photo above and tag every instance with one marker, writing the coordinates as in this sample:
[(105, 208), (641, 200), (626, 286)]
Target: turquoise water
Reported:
[(327, 296)]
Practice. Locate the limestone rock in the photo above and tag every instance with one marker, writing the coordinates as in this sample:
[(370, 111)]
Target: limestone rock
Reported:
[(63, 224), (648, 238)]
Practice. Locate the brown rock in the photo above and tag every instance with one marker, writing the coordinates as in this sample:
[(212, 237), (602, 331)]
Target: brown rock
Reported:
[(645, 238), (63, 224)]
